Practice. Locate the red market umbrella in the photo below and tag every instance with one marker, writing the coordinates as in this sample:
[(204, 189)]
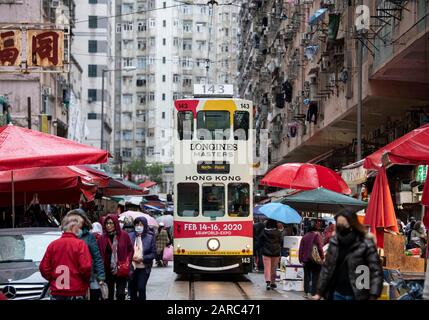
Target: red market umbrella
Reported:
[(380, 213), (22, 148), (113, 186), (147, 184), (425, 203), (25, 148), (305, 176), (412, 148), (45, 179), (53, 185)]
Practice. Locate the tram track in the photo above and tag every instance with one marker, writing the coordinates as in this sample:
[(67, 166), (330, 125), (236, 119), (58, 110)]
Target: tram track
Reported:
[(191, 288), (193, 294), (242, 292)]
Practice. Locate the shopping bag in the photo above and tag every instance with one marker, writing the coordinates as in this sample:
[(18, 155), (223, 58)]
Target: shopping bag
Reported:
[(315, 256), (104, 291), (168, 254)]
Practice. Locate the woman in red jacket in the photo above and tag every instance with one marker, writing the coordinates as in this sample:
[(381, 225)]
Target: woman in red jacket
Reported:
[(117, 252), (67, 263)]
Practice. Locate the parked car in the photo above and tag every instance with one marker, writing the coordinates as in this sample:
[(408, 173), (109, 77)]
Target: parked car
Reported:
[(21, 251)]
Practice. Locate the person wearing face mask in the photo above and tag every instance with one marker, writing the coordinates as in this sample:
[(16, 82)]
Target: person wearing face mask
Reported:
[(144, 253), (68, 258), (117, 252), (351, 252), (98, 276)]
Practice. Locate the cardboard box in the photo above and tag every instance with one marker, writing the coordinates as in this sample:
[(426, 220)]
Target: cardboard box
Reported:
[(280, 275), (292, 242), (293, 285), (294, 272)]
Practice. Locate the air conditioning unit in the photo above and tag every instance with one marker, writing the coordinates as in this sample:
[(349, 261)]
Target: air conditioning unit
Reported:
[(324, 64), (47, 91), (55, 4), (306, 36)]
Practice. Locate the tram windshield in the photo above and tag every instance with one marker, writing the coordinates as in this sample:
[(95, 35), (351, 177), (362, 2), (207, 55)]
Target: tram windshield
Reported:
[(213, 125)]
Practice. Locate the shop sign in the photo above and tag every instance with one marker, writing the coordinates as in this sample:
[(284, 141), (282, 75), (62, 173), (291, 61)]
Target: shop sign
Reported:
[(421, 173), (10, 48), (45, 48), (44, 124), (354, 176)]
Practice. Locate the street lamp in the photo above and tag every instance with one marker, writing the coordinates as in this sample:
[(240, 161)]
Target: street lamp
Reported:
[(126, 69)]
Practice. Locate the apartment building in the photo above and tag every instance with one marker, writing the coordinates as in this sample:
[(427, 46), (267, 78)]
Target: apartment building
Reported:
[(38, 92), (91, 51), (173, 46), (299, 63)]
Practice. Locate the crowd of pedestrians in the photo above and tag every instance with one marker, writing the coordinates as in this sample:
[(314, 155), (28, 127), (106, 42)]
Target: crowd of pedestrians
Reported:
[(103, 260)]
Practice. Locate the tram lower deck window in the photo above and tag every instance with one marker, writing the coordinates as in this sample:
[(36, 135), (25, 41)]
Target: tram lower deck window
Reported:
[(213, 125), (238, 199), (213, 200), (188, 196)]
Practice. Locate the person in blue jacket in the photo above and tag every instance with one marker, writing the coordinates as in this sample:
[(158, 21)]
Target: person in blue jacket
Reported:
[(144, 242), (98, 275)]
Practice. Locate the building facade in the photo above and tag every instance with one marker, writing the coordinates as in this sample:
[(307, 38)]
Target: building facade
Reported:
[(299, 63), (43, 95), (91, 51)]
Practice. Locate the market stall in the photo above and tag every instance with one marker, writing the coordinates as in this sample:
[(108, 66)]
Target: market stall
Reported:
[(410, 149)]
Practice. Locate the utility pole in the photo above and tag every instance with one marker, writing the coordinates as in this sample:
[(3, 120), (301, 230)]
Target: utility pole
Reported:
[(29, 111), (359, 102)]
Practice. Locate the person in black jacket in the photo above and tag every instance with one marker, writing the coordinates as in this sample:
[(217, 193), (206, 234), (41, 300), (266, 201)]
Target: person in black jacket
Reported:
[(270, 243), (258, 229), (352, 268)]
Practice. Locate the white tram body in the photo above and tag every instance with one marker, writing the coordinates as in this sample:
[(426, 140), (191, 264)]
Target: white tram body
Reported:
[(213, 187)]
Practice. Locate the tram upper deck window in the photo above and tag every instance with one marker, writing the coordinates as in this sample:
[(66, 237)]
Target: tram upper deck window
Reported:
[(213, 200), (188, 199), (241, 125), (213, 125), (238, 200), (185, 124)]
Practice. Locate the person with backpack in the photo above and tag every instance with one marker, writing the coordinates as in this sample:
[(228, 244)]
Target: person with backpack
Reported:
[(162, 240), (311, 257), (98, 276)]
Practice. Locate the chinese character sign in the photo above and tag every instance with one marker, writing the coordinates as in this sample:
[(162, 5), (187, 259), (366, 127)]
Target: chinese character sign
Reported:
[(10, 47), (45, 48)]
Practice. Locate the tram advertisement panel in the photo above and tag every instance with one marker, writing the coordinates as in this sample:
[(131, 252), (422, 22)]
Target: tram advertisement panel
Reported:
[(213, 229)]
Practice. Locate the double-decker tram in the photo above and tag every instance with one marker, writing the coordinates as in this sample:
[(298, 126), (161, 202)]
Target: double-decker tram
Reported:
[(213, 184)]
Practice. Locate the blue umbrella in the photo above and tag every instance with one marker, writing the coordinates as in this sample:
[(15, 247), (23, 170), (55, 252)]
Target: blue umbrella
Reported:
[(256, 211), (281, 212)]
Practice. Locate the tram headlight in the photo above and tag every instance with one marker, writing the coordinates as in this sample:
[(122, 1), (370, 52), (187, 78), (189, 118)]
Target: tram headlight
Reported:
[(213, 244)]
